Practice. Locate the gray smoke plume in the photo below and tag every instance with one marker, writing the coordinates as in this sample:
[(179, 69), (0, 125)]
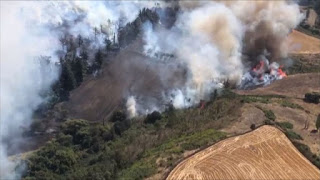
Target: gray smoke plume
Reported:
[(23, 75), (30, 33), (206, 43), (220, 41)]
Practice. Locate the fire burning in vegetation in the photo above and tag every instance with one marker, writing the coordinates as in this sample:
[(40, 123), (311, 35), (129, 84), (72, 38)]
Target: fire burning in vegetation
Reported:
[(200, 45), (262, 74)]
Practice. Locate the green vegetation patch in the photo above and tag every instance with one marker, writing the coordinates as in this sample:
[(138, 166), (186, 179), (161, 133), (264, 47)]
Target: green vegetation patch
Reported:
[(304, 64), (305, 150), (286, 103), (253, 99), (170, 152), (268, 113), (285, 125), (265, 99), (122, 148), (292, 135)]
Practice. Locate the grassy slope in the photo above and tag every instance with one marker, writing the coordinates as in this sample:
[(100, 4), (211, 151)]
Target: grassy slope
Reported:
[(96, 151)]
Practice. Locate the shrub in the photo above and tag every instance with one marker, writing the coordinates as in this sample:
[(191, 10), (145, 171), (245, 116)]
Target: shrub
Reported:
[(153, 117), (312, 97), (120, 127), (249, 99), (292, 135), (286, 103), (118, 116), (285, 125), (305, 150), (270, 115), (253, 127), (54, 158), (64, 140), (73, 126), (315, 31)]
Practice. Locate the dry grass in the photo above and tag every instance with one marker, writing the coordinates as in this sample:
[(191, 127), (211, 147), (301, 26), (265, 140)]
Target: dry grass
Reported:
[(265, 153), (300, 43)]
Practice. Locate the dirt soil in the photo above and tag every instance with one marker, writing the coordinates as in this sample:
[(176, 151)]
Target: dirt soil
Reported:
[(249, 115), (241, 157), (301, 43)]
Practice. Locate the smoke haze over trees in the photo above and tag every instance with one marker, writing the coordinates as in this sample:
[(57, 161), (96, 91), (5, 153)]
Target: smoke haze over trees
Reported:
[(49, 48)]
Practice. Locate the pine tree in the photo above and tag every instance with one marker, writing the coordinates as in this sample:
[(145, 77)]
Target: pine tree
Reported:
[(107, 43), (80, 40), (78, 70), (98, 60), (67, 79)]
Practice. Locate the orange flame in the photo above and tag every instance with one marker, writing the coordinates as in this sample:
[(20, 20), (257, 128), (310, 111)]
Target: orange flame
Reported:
[(282, 73)]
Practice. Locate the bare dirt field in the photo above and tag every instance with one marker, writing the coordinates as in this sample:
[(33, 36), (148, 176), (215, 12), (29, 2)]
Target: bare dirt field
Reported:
[(265, 153), (301, 43)]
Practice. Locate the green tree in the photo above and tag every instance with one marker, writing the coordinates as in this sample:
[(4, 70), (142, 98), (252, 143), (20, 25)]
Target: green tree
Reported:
[(98, 58), (73, 126), (67, 80), (118, 116), (153, 117), (108, 44), (78, 70), (214, 95)]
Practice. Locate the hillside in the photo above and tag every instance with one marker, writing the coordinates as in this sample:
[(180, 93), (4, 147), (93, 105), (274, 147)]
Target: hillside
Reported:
[(135, 148), (129, 72), (300, 43), (159, 90), (292, 86), (240, 157)]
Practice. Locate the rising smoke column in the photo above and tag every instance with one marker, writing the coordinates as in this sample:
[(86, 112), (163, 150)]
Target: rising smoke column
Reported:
[(221, 40), (210, 39), (32, 29), (22, 81)]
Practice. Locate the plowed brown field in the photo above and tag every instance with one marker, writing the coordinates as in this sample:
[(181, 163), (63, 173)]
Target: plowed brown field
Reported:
[(265, 153)]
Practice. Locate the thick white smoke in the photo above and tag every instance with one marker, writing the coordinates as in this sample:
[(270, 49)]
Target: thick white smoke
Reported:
[(23, 75), (32, 29), (210, 39), (131, 107), (215, 39)]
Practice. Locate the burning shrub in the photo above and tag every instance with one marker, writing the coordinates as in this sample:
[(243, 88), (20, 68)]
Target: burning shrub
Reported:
[(312, 97), (153, 117)]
